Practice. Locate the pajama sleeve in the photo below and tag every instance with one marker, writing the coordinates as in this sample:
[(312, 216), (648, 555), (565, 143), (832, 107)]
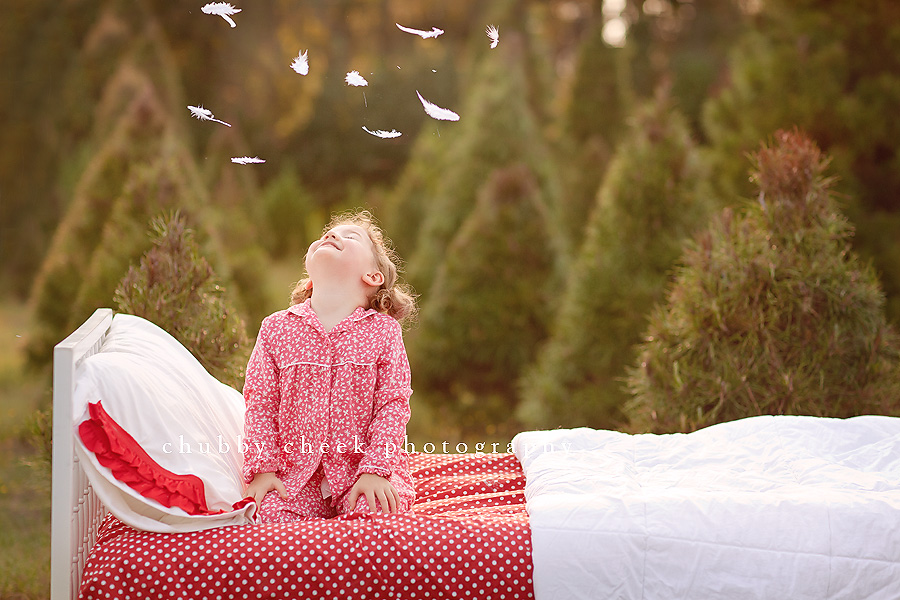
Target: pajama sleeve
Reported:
[(387, 430), (261, 396)]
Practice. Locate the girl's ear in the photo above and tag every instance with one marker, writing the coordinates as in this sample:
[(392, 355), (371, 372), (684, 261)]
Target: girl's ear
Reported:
[(375, 279)]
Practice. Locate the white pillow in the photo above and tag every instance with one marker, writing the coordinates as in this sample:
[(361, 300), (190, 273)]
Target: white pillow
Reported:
[(169, 430)]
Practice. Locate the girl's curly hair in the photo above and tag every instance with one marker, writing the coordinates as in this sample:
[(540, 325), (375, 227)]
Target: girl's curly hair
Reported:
[(393, 297)]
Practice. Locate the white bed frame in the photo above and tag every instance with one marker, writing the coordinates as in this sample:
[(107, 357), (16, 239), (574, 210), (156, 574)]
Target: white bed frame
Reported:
[(76, 510)]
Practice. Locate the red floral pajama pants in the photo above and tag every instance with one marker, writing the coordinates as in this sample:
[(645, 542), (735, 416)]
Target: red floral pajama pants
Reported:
[(308, 504)]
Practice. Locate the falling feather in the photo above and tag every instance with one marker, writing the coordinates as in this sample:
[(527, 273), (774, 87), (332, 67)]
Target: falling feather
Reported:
[(204, 114), (222, 9), (436, 112), (354, 78), (246, 160), (382, 133), (423, 34), (301, 63), (493, 34)]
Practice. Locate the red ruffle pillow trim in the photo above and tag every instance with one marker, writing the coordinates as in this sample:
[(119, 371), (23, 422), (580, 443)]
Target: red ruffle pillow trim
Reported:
[(117, 450)]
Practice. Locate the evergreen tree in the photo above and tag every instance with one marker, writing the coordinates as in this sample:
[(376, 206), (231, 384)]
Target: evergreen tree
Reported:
[(600, 98), (832, 69), (103, 184), (647, 205), (47, 91), (141, 166), (498, 128), (235, 192), (151, 186), (684, 46), (413, 195), (772, 313), (175, 288), (486, 311), (291, 219)]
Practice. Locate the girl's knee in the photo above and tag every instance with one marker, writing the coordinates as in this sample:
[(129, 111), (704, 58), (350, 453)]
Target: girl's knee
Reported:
[(301, 507)]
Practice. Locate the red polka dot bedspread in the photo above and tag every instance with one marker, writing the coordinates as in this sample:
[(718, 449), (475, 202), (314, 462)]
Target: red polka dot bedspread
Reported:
[(466, 537)]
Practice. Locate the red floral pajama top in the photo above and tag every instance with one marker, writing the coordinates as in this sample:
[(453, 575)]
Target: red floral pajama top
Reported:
[(338, 399)]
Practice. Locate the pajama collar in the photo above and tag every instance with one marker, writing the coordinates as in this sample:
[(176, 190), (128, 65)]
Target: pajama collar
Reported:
[(305, 312)]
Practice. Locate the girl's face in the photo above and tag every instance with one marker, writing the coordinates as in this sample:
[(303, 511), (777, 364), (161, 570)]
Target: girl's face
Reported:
[(345, 250)]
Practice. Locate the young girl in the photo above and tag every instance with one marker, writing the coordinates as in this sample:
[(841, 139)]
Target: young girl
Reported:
[(328, 386)]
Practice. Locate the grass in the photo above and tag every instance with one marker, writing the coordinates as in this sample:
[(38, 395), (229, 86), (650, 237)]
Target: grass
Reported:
[(24, 526), (24, 489)]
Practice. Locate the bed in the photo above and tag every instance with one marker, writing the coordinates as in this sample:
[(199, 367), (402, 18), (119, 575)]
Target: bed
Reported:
[(763, 507), (467, 536)]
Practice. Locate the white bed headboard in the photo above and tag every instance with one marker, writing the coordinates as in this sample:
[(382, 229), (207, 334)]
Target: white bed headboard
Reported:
[(76, 510)]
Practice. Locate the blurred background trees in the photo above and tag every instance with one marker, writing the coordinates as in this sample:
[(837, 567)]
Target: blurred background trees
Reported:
[(590, 222), (540, 230), (487, 309), (650, 201)]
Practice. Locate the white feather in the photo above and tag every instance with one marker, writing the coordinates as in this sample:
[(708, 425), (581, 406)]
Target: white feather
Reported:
[(246, 160), (222, 9), (354, 78), (493, 34), (204, 114), (301, 63), (423, 34), (436, 112), (382, 133)]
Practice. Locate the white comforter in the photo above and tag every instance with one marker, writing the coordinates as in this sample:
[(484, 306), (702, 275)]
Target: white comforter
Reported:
[(767, 507)]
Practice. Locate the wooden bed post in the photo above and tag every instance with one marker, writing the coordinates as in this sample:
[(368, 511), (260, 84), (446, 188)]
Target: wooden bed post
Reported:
[(76, 511)]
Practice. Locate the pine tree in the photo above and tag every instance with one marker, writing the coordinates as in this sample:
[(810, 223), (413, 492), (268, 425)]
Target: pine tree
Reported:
[(832, 69), (487, 309), (772, 312), (175, 288), (46, 94), (413, 195), (103, 185), (498, 128), (290, 218), (683, 45), (141, 166), (599, 100), (235, 192), (647, 205)]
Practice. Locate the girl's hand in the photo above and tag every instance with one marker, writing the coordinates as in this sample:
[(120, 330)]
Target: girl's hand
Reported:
[(262, 484), (375, 487)]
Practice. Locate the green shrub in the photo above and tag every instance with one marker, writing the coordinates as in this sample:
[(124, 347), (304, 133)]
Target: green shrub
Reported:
[(771, 312), (141, 168), (176, 288)]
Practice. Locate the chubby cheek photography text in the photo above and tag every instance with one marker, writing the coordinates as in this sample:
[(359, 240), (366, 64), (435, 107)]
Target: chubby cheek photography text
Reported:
[(355, 445)]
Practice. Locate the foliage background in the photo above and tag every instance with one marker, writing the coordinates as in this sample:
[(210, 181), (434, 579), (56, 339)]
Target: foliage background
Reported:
[(540, 230)]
